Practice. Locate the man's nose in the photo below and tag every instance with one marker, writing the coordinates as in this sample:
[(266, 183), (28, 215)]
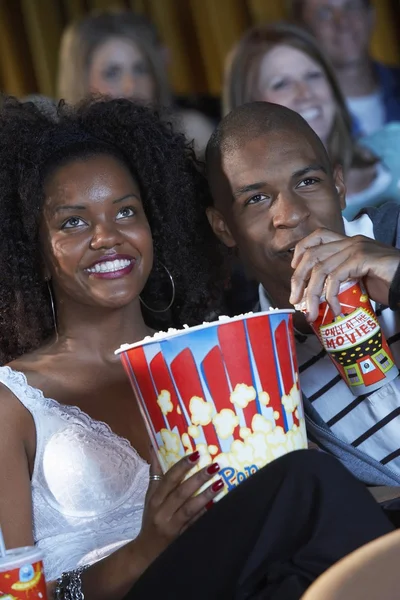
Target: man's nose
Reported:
[(289, 211)]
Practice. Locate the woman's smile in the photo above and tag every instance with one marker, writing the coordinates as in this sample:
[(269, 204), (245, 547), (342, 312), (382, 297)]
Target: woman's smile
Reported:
[(112, 266)]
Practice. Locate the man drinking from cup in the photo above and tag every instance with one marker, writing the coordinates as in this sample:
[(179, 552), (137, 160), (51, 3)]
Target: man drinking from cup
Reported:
[(278, 201)]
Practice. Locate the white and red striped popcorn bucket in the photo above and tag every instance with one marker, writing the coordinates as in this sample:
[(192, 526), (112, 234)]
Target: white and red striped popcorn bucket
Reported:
[(229, 389)]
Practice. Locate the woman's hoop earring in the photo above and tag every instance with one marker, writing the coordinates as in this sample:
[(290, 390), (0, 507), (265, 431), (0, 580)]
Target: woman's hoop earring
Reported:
[(156, 310), (53, 308)]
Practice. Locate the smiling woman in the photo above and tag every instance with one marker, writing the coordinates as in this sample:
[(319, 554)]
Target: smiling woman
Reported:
[(92, 255), (95, 230), (94, 184), (283, 64)]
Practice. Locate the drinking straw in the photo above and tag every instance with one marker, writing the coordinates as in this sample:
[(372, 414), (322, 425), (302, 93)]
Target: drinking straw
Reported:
[(2, 545)]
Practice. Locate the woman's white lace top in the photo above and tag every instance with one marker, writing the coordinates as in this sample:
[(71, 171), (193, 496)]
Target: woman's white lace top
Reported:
[(88, 484)]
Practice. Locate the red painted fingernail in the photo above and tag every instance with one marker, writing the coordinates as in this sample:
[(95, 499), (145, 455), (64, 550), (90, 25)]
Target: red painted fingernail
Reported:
[(217, 486), (213, 468), (194, 456), (209, 505)]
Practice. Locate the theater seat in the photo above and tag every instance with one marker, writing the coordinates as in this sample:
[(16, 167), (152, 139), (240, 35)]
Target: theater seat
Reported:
[(370, 573)]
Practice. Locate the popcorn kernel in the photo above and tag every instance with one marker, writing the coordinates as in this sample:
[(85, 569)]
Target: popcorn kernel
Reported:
[(164, 402), (242, 395), (201, 411)]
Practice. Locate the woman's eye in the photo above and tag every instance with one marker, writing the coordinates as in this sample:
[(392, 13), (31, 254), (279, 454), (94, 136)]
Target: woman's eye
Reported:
[(315, 75), (73, 223), (141, 69), (279, 85), (307, 182), (256, 199), (127, 211), (111, 73)]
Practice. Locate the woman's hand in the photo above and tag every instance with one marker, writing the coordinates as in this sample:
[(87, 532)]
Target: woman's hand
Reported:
[(171, 506)]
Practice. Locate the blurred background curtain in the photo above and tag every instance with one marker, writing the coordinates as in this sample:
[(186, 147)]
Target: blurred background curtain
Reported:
[(198, 33)]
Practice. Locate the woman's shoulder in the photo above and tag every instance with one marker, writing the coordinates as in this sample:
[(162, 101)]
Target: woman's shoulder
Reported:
[(22, 379), (16, 403)]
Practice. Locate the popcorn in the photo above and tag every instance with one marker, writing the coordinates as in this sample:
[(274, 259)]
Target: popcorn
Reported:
[(243, 453), (242, 395), (234, 462), (241, 432), (261, 449), (171, 459), (164, 402), (299, 435), (277, 436), (168, 459), (186, 441), (264, 398), (260, 423), (194, 431), (278, 451), (224, 318), (171, 441), (171, 331), (292, 400), (205, 458), (260, 443), (225, 423), (201, 411), (244, 432)]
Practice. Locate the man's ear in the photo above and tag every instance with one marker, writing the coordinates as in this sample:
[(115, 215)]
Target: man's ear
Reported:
[(340, 186), (220, 227)]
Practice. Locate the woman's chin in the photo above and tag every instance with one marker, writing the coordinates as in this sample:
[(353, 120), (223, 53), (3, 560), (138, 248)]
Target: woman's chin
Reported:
[(116, 301)]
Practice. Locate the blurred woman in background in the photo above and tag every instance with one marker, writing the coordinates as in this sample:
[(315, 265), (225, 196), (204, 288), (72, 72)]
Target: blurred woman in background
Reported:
[(283, 64), (119, 54)]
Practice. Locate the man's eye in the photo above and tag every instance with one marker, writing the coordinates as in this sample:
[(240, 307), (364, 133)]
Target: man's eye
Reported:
[(307, 182), (72, 223), (256, 199)]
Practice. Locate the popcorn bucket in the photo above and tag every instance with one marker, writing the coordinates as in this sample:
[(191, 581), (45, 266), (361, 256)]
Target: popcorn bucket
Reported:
[(228, 389), (354, 340), (21, 575)]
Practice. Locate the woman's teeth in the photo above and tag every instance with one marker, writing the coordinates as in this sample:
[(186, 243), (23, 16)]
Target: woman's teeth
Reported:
[(310, 114), (110, 266)]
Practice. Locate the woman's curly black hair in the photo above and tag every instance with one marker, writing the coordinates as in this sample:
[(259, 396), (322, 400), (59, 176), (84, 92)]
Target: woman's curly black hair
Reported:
[(174, 194)]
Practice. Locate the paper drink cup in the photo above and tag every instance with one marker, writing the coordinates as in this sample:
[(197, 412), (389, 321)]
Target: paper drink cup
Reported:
[(228, 389), (21, 575), (354, 340)]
